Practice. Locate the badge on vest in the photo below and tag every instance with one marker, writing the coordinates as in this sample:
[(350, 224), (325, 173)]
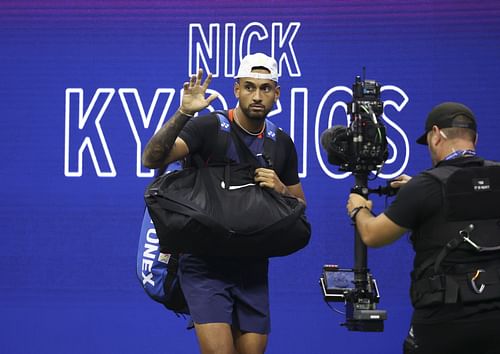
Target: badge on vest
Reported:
[(481, 184)]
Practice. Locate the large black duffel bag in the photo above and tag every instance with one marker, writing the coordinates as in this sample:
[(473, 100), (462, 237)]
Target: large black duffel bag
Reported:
[(219, 210)]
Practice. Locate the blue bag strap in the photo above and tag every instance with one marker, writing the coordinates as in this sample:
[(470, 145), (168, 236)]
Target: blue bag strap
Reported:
[(227, 146), (223, 151), (271, 130), (224, 123), (269, 149)]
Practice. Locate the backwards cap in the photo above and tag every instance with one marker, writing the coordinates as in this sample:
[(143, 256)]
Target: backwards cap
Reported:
[(252, 61), (443, 116)]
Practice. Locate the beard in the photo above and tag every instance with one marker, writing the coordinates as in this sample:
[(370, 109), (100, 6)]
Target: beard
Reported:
[(255, 115)]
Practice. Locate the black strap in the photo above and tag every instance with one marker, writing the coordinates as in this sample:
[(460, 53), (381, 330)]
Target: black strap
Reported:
[(444, 252), (172, 266), (491, 163)]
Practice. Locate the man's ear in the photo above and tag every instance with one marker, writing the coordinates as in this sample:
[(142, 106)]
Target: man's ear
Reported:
[(236, 89), (278, 93), (434, 137)]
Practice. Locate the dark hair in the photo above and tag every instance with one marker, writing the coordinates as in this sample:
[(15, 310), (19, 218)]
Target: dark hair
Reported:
[(261, 68)]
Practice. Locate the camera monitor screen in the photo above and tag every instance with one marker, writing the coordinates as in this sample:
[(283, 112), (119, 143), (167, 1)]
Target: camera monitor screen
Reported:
[(339, 280)]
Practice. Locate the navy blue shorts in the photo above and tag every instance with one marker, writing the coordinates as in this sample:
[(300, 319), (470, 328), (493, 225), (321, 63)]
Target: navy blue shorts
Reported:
[(233, 291)]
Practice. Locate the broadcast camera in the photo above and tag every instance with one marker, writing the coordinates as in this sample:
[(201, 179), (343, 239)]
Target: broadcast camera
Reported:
[(362, 146), (359, 148)]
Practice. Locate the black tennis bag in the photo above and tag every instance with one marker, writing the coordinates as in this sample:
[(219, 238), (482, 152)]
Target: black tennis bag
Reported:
[(218, 209)]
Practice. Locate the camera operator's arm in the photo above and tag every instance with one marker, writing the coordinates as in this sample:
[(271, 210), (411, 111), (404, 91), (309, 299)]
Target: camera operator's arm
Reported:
[(375, 231), (400, 181), (165, 147)]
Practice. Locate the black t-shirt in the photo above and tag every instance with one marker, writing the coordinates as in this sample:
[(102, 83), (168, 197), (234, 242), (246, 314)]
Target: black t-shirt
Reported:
[(200, 134), (420, 199)]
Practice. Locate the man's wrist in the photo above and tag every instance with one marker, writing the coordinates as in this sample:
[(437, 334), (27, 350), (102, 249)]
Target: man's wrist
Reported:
[(185, 113), (355, 211)]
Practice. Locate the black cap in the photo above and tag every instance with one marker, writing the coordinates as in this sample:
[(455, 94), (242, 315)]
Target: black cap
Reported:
[(443, 116)]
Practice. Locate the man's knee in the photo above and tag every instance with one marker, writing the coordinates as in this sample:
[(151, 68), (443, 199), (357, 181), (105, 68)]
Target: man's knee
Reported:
[(250, 343), (215, 338)]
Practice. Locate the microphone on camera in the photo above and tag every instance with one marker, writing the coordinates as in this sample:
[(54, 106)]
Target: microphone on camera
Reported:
[(334, 141)]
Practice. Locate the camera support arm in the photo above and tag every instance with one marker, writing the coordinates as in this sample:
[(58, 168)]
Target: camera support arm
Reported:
[(361, 312), (360, 250)]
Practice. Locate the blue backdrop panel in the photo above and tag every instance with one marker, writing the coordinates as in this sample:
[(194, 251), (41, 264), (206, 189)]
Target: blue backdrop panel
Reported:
[(84, 85)]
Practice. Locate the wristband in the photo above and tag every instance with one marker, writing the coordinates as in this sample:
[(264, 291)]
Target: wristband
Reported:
[(355, 212), (185, 114)]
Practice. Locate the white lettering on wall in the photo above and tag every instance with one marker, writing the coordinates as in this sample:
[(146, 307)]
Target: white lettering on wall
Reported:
[(155, 117), (205, 50), (81, 128), (218, 48)]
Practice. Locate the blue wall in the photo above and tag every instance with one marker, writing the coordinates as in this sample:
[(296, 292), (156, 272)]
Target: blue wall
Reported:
[(69, 222)]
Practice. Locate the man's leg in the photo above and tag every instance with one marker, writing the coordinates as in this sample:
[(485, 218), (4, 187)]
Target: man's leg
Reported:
[(210, 304), (215, 338), (250, 343)]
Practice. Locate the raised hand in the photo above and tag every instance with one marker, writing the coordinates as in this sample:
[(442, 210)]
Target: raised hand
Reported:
[(193, 98)]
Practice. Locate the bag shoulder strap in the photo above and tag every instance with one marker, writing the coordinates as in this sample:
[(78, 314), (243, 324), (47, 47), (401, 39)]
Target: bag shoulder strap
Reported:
[(269, 153), (491, 163), (225, 126), (442, 173), (219, 153), (223, 133)]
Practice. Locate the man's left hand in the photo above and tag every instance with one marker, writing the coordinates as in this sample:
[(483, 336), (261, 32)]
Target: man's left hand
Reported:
[(266, 177), (355, 200)]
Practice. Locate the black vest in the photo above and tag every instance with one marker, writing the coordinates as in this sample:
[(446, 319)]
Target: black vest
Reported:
[(458, 249)]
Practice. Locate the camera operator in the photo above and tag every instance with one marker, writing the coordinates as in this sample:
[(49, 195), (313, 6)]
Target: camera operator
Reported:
[(446, 324)]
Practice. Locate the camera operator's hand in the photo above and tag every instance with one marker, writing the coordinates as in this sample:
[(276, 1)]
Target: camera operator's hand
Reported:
[(193, 98), (400, 181), (356, 202)]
